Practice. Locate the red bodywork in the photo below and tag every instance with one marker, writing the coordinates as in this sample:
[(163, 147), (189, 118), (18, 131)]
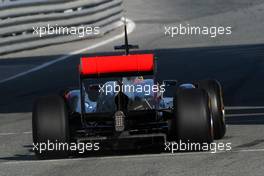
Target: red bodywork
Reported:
[(101, 66)]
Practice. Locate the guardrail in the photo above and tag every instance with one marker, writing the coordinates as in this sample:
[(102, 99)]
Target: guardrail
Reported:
[(19, 18)]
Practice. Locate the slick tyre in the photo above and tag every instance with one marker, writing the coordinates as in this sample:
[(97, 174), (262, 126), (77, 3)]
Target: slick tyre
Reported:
[(214, 90), (191, 120), (50, 125)]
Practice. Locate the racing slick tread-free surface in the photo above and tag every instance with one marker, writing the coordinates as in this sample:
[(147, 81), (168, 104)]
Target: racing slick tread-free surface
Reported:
[(214, 91), (192, 120), (50, 123)]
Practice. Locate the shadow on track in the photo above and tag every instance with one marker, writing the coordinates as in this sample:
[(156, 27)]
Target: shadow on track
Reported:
[(240, 69), (246, 120)]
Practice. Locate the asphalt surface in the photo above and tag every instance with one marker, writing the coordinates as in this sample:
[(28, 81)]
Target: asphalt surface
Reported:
[(236, 61)]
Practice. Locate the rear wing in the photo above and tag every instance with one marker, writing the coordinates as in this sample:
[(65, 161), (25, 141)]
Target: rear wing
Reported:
[(117, 66)]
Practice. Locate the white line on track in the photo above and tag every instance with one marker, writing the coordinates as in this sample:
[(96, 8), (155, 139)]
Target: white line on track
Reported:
[(252, 150), (130, 28), (245, 115), (28, 132), (18, 133), (7, 134), (243, 107)]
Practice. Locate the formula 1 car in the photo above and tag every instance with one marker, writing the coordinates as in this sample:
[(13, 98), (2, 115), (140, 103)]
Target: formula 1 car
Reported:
[(119, 99)]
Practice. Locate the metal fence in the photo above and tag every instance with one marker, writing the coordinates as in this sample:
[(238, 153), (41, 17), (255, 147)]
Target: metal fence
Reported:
[(18, 18)]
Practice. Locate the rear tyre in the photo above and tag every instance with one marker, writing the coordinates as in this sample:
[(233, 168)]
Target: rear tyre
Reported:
[(214, 90), (50, 126), (191, 120)]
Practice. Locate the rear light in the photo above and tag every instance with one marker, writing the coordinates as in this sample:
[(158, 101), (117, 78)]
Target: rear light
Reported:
[(119, 118)]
